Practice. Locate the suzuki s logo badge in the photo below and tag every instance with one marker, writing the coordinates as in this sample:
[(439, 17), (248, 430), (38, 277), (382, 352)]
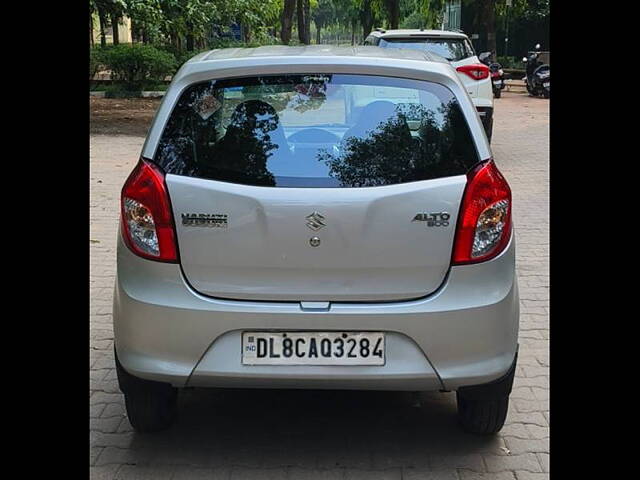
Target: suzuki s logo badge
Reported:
[(439, 219), (315, 221)]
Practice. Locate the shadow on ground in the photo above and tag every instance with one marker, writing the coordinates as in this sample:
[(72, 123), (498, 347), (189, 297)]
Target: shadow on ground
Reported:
[(311, 429)]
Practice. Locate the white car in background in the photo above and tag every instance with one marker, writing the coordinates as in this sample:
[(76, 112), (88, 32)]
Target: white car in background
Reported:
[(457, 49)]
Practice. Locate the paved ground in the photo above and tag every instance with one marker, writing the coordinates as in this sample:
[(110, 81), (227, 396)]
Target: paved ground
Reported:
[(333, 435)]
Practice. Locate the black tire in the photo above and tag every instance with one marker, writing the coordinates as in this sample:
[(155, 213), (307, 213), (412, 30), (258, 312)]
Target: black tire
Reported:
[(151, 410), (484, 417), (482, 409), (151, 406), (497, 93), (546, 93), (530, 91)]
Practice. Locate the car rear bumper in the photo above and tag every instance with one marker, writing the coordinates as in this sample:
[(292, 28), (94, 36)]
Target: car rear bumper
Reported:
[(486, 116), (463, 334)]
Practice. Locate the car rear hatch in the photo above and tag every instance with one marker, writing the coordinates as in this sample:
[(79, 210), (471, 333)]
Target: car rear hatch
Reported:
[(295, 196), (370, 247)]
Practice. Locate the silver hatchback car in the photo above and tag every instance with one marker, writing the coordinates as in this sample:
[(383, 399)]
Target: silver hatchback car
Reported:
[(316, 217)]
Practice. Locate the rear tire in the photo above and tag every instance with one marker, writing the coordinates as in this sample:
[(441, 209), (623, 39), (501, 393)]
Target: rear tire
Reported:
[(530, 91), (483, 417), (151, 410), (497, 93), (151, 406), (482, 409)]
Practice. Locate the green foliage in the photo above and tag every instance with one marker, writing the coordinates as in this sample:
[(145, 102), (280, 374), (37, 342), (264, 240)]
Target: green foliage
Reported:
[(511, 62), (133, 65), (96, 61), (190, 22), (182, 57)]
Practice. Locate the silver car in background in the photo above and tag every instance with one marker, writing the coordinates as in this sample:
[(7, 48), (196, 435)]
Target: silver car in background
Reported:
[(316, 217)]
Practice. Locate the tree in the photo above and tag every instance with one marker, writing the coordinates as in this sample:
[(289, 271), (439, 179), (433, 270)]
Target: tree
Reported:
[(109, 13), (287, 21), (307, 21), (367, 16), (304, 21), (486, 20), (146, 19), (323, 15), (393, 12)]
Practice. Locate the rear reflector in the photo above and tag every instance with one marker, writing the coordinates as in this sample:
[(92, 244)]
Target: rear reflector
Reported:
[(147, 221), (484, 223), (477, 71)]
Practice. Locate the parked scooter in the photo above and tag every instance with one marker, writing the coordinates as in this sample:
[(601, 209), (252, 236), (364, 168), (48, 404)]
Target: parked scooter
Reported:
[(497, 74), (538, 79)]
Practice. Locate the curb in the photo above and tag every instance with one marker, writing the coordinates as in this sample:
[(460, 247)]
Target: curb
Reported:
[(145, 94)]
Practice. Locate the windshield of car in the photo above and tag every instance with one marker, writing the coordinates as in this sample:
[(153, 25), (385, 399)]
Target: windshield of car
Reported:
[(453, 49), (321, 130)]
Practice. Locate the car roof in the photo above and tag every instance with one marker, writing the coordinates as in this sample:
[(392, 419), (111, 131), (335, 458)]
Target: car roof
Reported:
[(322, 53), (414, 32)]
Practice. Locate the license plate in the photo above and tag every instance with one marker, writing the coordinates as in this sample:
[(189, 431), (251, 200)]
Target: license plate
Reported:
[(313, 348), (546, 84), (497, 83)]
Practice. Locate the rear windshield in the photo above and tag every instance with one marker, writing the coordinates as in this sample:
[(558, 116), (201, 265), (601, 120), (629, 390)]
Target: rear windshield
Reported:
[(453, 49), (316, 131)]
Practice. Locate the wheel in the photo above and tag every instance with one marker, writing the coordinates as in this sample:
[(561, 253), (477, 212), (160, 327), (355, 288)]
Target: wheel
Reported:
[(151, 406), (529, 90), (482, 416), (497, 93), (546, 93), (151, 410), (483, 408)]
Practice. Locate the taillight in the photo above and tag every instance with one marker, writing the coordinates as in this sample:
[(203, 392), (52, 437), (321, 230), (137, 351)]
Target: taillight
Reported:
[(484, 223), (147, 222), (477, 71)]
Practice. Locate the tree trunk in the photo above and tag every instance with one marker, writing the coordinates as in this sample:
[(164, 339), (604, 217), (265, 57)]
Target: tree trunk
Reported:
[(353, 31), (307, 22), (190, 38), (103, 25), (318, 28), (393, 11), (490, 24), (286, 20), (366, 18), (175, 41), (91, 29), (300, 18), (114, 29), (485, 20)]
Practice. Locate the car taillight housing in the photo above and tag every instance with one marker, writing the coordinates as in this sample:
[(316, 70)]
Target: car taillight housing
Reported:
[(477, 71), (147, 221), (484, 222)]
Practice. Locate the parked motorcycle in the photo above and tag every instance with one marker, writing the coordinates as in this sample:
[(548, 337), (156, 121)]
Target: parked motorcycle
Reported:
[(538, 79), (497, 74)]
